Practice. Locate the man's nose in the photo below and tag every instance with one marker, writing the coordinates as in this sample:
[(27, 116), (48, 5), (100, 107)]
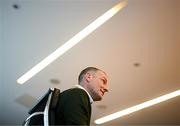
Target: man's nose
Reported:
[(106, 89)]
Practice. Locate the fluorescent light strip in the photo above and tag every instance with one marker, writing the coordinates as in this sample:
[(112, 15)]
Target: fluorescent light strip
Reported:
[(72, 42), (137, 107)]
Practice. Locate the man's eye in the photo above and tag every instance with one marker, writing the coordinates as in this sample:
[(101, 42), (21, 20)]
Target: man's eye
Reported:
[(103, 81)]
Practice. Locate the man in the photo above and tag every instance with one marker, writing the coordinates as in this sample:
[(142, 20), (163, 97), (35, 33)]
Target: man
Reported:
[(74, 106)]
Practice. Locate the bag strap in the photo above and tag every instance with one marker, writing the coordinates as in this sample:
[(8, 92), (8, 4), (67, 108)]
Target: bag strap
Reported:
[(46, 110), (46, 106), (55, 98), (52, 109)]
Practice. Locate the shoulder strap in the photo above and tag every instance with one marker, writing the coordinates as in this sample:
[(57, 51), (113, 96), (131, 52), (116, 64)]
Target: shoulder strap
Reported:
[(40, 105), (55, 98), (53, 105), (45, 107)]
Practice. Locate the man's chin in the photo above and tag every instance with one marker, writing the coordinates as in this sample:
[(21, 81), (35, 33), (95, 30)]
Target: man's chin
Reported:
[(99, 98)]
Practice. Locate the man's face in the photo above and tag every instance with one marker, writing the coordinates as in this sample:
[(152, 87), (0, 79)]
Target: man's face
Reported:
[(98, 85)]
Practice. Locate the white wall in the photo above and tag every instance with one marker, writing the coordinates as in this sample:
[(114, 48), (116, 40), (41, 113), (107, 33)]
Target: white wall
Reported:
[(1, 57), (19, 34), (22, 34), (178, 33), (178, 40)]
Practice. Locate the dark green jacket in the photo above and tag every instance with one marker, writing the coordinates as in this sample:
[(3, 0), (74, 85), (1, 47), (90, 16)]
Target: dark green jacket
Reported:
[(73, 108)]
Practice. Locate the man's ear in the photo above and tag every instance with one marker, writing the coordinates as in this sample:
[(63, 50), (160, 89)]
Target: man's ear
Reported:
[(88, 77)]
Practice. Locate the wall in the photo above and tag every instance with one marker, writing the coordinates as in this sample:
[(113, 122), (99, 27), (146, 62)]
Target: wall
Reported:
[(1, 44), (178, 34), (178, 40), (41, 23)]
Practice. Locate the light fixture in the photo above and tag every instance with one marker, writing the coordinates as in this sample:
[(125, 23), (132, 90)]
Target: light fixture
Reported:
[(137, 107), (72, 42)]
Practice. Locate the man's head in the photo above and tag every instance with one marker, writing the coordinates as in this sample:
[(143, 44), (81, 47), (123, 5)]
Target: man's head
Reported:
[(95, 81)]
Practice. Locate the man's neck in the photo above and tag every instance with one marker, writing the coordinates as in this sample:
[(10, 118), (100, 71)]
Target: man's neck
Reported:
[(81, 87)]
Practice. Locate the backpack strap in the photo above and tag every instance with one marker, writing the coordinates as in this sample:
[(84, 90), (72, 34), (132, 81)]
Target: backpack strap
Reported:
[(40, 105), (44, 110), (53, 105)]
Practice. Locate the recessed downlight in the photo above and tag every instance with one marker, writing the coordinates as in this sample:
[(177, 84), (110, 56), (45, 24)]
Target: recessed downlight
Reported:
[(54, 81)]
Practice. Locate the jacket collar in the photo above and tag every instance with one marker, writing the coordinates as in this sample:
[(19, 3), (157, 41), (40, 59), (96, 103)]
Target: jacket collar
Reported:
[(90, 98)]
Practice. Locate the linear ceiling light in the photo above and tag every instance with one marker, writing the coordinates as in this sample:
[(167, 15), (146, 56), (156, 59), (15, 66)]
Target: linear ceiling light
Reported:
[(137, 107), (72, 42)]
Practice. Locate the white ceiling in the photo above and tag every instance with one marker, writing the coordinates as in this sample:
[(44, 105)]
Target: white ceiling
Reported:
[(146, 32)]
